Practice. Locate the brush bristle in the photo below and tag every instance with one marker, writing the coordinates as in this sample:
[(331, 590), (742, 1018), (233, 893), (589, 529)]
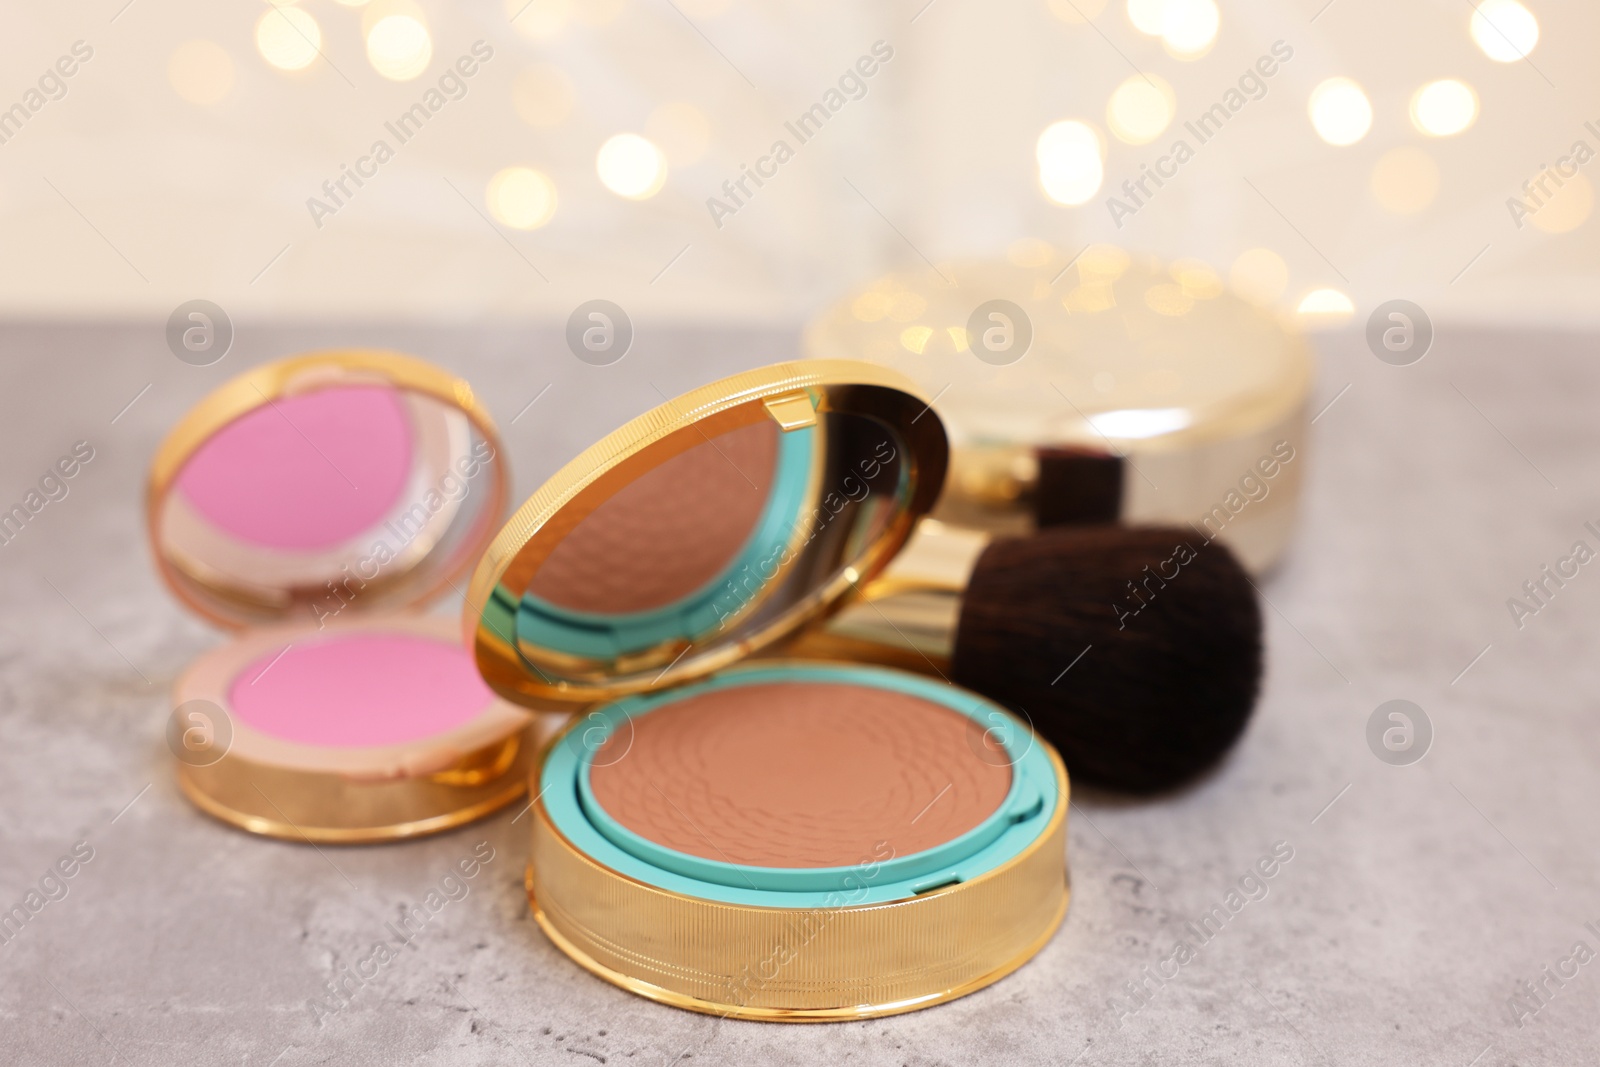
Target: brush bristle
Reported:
[(1173, 662)]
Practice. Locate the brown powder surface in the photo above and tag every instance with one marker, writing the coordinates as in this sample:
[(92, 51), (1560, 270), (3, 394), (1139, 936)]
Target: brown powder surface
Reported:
[(669, 532), (799, 774)]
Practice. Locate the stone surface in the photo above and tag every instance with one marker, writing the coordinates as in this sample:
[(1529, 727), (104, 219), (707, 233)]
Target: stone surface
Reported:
[(1416, 900)]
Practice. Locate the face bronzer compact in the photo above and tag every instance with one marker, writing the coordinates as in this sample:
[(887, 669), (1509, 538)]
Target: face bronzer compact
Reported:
[(722, 828)]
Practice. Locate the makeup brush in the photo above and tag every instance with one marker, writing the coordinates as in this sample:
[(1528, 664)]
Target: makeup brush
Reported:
[(1017, 489), (1135, 651)]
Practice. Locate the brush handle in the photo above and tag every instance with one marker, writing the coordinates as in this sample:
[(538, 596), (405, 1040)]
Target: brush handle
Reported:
[(907, 616), (889, 623), (1076, 486), (937, 556), (1017, 489), (823, 643)]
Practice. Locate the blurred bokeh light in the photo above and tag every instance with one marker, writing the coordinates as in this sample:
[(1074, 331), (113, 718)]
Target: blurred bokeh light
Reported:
[(1504, 29), (1340, 111), (631, 166), (201, 72), (288, 38), (1405, 180), (1443, 108), (1070, 154), (1189, 27), (399, 47), (521, 197), (1140, 109)]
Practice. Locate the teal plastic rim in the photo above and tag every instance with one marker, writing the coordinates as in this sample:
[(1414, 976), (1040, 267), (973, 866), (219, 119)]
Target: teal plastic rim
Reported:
[(604, 636), (1003, 835)]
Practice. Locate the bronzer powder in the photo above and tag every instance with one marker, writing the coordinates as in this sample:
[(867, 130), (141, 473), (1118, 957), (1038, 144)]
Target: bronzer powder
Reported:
[(669, 532), (304, 472), (799, 774), (360, 689)]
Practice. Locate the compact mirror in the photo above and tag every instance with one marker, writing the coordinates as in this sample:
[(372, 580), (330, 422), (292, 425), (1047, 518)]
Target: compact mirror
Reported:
[(703, 530), (327, 483)]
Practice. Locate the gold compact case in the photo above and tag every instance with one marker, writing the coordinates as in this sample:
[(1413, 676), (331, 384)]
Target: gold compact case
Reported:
[(723, 827), (1104, 387), (309, 507)]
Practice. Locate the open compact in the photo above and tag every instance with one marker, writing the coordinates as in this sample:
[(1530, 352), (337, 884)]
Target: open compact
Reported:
[(722, 828), (309, 506)]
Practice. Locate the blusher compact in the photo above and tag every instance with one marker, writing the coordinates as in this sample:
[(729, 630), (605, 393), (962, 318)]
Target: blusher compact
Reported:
[(722, 828), (309, 506)]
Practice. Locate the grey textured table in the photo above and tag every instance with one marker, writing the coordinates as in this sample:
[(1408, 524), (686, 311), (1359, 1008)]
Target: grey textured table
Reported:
[(1416, 901)]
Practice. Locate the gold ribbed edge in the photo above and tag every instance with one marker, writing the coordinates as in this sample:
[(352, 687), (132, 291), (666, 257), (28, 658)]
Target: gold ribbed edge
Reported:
[(836, 385), (800, 964), (272, 381), (323, 808)]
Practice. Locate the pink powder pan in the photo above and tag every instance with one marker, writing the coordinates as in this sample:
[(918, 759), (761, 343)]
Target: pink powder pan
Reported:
[(367, 699), (366, 729)]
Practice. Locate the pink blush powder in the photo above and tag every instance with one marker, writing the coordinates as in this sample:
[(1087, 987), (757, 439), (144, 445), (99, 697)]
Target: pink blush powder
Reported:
[(359, 690), (305, 472)]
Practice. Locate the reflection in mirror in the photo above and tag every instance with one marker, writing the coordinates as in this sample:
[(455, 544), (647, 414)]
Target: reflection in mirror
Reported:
[(706, 547), (670, 533), (655, 562), (319, 497)]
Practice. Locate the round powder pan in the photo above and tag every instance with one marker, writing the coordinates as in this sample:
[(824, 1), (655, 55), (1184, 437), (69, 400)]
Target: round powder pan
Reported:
[(789, 779), (309, 507), (726, 830), (360, 730), (877, 811)]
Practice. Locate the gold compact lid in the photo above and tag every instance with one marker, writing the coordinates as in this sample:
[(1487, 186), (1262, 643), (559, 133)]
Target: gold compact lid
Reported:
[(1104, 349), (1097, 387), (702, 531), (347, 480)]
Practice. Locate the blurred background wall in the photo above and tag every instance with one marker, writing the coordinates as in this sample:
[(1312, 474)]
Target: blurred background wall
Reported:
[(1383, 158)]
